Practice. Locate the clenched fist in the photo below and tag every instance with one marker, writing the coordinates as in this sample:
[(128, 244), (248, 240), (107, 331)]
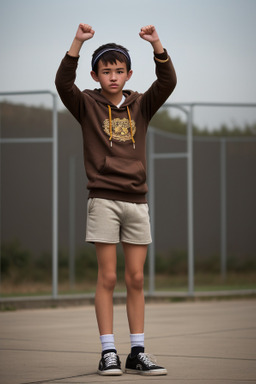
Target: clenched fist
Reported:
[(84, 32), (149, 33)]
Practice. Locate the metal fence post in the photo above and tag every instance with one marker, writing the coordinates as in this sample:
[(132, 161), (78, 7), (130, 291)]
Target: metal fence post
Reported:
[(55, 199), (223, 208), (190, 203), (151, 190), (72, 219)]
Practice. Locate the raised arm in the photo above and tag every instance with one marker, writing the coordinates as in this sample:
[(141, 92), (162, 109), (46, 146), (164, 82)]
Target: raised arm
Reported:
[(84, 32), (149, 34), (166, 80), (69, 93)]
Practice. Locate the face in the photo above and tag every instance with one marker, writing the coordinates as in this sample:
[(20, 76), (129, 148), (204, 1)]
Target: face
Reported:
[(112, 77)]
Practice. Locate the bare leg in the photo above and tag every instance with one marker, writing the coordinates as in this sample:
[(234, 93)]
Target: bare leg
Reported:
[(106, 255), (135, 256)]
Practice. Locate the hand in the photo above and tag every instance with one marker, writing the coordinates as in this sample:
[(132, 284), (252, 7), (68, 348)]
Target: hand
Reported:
[(149, 33), (84, 32)]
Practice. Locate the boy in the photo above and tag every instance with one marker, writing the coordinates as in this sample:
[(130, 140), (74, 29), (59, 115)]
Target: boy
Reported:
[(114, 123)]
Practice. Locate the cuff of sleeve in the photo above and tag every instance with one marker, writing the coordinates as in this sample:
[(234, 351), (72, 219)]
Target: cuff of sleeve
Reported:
[(75, 58), (161, 56)]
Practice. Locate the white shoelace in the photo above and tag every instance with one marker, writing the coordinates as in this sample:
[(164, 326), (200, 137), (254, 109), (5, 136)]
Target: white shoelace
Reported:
[(147, 359), (110, 359)]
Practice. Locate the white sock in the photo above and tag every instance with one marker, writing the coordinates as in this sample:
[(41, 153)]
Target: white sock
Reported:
[(137, 340), (107, 342)]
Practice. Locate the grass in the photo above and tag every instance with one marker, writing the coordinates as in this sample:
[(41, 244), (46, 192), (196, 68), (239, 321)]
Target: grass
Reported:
[(168, 283), (207, 282)]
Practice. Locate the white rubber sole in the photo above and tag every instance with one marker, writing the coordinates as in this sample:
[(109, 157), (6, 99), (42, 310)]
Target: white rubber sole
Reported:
[(110, 372), (154, 372)]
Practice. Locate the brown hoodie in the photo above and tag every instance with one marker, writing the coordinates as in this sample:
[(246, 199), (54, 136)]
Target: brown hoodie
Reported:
[(115, 138)]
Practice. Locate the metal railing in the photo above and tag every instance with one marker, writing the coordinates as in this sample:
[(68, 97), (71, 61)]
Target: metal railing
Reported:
[(54, 141), (188, 110)]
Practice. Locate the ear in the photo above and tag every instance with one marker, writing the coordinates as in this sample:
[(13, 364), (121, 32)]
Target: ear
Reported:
[(129, 75), (94, 76)]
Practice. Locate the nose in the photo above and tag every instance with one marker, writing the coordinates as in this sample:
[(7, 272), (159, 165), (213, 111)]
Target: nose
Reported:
[(113, 76)]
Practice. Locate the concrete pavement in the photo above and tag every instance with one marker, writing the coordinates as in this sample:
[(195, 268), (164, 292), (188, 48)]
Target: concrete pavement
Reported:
[(198, 342)]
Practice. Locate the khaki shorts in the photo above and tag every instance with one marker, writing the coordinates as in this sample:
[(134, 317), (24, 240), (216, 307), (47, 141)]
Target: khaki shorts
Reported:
[(110, 221)]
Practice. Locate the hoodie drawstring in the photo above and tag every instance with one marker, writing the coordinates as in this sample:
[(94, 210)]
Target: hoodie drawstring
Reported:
[(110, 125), (130, 122)]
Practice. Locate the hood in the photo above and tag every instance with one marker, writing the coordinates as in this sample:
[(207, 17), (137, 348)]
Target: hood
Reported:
[(96, 95)]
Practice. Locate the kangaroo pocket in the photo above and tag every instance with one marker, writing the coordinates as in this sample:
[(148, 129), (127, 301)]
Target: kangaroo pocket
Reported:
[(124, 175)]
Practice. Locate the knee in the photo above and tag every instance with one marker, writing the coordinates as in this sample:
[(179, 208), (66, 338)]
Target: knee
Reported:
[(135, 281), (108, 280)]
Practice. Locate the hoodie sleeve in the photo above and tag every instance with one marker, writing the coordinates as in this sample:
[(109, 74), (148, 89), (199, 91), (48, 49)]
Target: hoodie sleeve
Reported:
[(69, 93), (162, 88)]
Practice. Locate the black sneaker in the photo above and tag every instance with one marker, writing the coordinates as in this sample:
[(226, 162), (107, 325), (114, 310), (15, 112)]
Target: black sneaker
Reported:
[(110, 365), (143, 364)]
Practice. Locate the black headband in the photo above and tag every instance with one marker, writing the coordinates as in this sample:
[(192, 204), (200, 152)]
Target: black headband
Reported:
[(104, 50)]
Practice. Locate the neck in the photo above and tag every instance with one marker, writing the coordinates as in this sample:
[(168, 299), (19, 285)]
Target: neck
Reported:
[(114, 99)]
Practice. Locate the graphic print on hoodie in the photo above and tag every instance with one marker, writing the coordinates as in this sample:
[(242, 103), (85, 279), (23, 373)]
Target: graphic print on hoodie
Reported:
[(120, 129)]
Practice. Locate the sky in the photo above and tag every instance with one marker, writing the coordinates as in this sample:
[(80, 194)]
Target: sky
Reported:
[(212, 44)]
